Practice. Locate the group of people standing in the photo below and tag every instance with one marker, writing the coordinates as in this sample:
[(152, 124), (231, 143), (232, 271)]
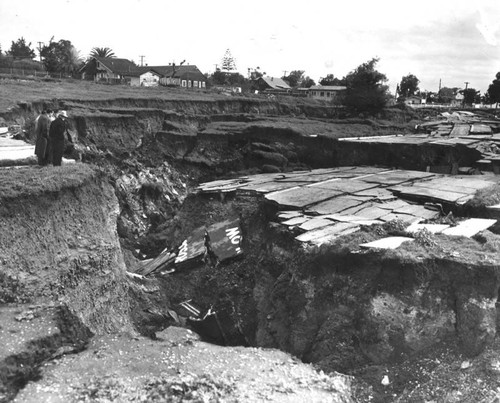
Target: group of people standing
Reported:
[(51, 130)]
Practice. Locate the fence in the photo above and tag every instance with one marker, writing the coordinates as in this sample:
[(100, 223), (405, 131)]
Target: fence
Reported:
[(30, 73)]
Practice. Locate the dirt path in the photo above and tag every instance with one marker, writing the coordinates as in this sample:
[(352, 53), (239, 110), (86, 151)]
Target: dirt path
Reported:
[(179, 367)]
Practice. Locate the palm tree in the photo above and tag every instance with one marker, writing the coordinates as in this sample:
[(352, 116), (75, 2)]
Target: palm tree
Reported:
[(102, 52)]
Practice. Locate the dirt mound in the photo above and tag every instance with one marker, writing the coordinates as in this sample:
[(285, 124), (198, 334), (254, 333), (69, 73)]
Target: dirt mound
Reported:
[(177, 367)]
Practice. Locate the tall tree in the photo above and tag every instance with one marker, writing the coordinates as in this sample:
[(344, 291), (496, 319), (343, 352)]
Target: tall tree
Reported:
[(102, 52), (307, 82), (330, 79), (494, 90), (295, 78), (228, 63), (61, 57), (471, 95), (21, 50), (446, 94), (365, 87), (408, 86)]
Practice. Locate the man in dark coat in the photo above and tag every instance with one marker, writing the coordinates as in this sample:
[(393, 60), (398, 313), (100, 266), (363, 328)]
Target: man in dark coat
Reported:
[(42, 137), (57, 137)]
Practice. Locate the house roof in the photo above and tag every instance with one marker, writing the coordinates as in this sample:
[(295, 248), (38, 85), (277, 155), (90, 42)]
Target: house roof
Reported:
[(328, 87), (276, 83), (116, 65), (138, 71), (189, 71)]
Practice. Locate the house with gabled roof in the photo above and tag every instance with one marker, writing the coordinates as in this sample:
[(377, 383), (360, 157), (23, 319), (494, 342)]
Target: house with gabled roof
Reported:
[(186, 76), (106, 69), (143, 76), (272, 84)]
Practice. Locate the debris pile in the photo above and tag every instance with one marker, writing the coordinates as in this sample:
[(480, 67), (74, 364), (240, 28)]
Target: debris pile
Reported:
[(214, 244), (324, 204)]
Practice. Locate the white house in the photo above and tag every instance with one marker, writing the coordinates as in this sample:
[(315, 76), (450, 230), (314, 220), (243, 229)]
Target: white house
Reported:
[(326, 92), (144, 77)]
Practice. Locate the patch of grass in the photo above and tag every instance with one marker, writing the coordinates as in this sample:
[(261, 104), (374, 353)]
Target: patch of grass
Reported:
[(19, 182), (486, 197)]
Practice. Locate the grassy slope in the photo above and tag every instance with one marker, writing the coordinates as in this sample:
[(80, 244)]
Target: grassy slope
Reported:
[(31, 181), (14, 91)]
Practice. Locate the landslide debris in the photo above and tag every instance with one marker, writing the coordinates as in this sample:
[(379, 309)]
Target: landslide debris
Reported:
[(178, 367)]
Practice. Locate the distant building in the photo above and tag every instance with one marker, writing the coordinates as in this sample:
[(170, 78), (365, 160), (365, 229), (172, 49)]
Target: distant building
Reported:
[(107, 69), (458, 100), (185, 76), (272, 85), (326, 92), (144, 77), (414, 100)]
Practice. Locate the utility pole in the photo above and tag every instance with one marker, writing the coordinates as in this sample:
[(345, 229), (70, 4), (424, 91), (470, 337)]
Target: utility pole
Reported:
[(142, 59), (466, 84), (40, 50)]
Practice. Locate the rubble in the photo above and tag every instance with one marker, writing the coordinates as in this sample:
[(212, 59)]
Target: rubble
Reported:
[(216, 243), (325, 204)]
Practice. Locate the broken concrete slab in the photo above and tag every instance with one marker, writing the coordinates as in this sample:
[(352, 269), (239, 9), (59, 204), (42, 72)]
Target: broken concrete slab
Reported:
[(315, 222), (292, 222), (470, 227), (335, 205), (392, 242), (327, 234), (302, 196)]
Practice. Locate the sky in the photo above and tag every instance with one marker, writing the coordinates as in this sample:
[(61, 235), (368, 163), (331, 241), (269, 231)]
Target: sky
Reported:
[(452, 41)]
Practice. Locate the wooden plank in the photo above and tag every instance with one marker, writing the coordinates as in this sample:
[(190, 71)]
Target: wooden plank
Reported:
[(392, 242), (302, 196), (470, 227)]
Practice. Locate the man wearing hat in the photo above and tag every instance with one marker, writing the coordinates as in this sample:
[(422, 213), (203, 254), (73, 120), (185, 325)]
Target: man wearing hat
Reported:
[(57, 137)]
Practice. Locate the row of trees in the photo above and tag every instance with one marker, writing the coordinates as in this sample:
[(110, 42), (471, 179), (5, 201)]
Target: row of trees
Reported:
[(409, 87), (366, 89), (55, 57)]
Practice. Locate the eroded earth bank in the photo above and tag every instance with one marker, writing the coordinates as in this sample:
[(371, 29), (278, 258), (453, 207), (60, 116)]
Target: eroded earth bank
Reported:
[(120, 282)]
